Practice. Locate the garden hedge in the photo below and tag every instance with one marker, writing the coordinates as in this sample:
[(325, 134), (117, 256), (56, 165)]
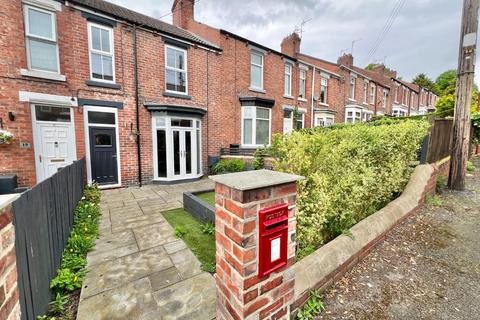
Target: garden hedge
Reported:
[(351, 172)]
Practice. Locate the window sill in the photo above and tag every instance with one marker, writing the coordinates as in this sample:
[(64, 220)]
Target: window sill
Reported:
[(43, 75), (302, 99), (350, 99), (286, 96), (323, 104), (176, 95), (257, 90), (93, 83)]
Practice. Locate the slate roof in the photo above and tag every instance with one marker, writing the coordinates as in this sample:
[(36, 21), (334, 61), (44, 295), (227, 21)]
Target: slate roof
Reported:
[(123, 13)]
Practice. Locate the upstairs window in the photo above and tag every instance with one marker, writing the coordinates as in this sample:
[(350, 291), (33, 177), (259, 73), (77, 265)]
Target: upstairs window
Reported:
[(303, 81), (288, 80), (352, 88), (256, 70), (365, 92), (372, 94), (41, 40), (101, 53), (176, 70), (323, 90), (384, 98)]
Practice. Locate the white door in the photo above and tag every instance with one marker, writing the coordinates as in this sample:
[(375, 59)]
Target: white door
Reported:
[(54, 139), (287, 121), (184, 153)]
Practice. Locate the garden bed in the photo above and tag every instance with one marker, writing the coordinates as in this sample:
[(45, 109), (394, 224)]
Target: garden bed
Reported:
[(201, 205), (200, 238)]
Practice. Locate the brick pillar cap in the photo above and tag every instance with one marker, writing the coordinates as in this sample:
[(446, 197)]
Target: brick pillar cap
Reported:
[(250, 180), (6, 199)]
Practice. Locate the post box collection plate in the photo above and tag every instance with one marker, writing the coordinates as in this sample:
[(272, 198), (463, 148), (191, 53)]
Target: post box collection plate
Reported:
[(273, 238)]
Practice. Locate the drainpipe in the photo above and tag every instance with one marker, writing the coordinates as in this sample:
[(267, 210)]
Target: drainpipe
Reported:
[(313, 97), (137, 105)]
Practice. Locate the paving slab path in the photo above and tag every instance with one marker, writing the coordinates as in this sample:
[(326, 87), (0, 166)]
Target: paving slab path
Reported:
[(427, 268), (138, 268)]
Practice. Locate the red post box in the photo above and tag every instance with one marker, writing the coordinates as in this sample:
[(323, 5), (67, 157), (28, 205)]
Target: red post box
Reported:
[(273, 238)]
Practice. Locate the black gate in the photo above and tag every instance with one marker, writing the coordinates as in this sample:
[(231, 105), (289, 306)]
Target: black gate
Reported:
[(43, 217)]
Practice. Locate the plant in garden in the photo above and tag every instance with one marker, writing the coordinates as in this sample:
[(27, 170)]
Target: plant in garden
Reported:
[(350, 172), (180, 231), (208, 228), (312, 307), (57, 306), (228, 166), (5, 137), (259, 158), (441, 183), (208, 267)]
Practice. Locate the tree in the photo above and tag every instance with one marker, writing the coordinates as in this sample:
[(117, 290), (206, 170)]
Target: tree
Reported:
[(446, 81), (424, 81)]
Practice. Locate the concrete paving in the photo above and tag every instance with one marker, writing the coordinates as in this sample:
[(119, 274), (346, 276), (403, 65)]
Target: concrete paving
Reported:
[(139, 269)]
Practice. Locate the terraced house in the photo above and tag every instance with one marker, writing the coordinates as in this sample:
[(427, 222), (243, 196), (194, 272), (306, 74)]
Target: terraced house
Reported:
[(146, 101), (88, 78)]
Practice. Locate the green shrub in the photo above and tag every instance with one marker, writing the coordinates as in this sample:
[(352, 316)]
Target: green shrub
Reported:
[(470, 167), (208, 228), (259, 158), (433, 200), (228, 166), (312, 307), (350, 172), (180, 231)]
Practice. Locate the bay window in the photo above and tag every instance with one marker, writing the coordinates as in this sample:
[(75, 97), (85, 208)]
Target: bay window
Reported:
[(176, 70), (41, 40), (324, 120), (101, 53), (353, 115), (256, 126)]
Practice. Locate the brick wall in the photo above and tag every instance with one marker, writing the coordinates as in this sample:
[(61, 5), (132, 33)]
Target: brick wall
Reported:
[(9, 294), (241, 292)]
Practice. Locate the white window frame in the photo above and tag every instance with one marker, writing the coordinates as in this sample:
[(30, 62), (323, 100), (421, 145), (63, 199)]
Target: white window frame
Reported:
[(87, 125), (111, 54), (288, 72), (262, 56), (185, 58), (399, 112), (373, 89), (365, 91), (352, 84), (254, 126), (396, 93), (323, 84), (44, 39), (384, 98), (302, 89), (322, 117), (356, 115)]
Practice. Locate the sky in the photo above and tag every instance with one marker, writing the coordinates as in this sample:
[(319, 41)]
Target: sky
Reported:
[(423, 38)]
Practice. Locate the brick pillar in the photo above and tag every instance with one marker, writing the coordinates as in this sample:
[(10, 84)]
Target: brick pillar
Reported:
[(241, 293), (9, 294)]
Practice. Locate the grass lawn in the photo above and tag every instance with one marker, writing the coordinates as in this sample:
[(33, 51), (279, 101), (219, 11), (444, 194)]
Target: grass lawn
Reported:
[(208, 197), (201, 244)]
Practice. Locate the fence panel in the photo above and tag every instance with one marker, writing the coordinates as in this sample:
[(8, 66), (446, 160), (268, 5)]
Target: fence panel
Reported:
[(440, 142), (43, 218)]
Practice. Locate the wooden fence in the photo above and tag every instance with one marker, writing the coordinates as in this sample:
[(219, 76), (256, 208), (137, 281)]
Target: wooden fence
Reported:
[(43, 217), (437, 145)]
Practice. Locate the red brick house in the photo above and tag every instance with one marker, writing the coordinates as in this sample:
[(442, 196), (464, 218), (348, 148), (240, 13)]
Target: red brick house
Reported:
[(89, 78), (263, 92)]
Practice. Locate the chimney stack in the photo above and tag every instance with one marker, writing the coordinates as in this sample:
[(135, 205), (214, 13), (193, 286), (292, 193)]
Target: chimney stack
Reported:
[(346, 59), (183, 12), (291, 45)]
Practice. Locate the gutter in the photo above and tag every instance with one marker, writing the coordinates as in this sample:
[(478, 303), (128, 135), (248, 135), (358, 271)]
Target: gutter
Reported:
[(137, 105)]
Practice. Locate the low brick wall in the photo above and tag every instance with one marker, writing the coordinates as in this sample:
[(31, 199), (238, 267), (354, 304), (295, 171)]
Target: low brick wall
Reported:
[(328, 264), (9, 294)]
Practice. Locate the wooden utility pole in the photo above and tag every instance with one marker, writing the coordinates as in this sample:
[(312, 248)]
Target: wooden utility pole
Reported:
[(463, 100)]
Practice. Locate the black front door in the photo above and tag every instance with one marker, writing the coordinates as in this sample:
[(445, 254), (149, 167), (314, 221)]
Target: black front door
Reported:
[(103, 155)]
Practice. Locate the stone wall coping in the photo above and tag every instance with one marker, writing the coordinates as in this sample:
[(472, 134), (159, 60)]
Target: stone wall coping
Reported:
[(316, 267), (6, 199), (250, 180)]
